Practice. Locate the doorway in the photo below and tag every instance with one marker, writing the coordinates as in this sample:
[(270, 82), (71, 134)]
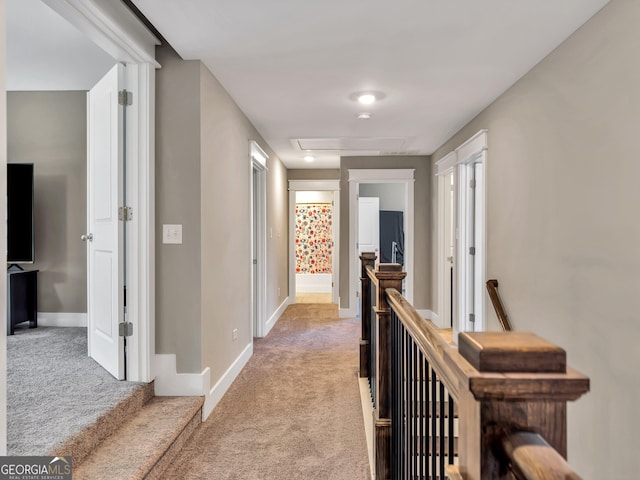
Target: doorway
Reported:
[(461, 223), (132, 45), (314, 212), (399, 183)]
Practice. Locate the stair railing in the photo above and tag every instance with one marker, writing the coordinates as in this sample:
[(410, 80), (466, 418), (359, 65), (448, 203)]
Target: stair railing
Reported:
[(493, 407), (492, 288)]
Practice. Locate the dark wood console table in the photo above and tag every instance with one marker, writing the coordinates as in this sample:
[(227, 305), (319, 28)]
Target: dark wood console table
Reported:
[(22, 298)]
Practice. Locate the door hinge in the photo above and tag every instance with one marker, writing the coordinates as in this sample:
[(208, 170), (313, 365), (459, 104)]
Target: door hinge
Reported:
[(125, 214), (472, 317), (472, 183), (125, 98), (472, 250), (125, 329)]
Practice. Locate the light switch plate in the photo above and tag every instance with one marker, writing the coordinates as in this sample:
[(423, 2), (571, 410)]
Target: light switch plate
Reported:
[(172, 234)]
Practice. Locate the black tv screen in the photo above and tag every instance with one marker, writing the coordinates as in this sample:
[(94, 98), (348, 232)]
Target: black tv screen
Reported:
[(20, 231)]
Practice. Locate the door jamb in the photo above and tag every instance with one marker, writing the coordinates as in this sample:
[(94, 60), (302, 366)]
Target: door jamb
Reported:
[(469, 153), (258, 162), (444, 167)]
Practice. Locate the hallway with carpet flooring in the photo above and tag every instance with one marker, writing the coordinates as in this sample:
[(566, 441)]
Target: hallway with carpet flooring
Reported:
[(294, 412)]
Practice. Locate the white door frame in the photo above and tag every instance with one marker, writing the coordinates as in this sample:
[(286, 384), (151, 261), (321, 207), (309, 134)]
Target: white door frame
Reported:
[(444, 167), (258, 162), (113, 27), (356, 177), (470, 278), (314, 186)]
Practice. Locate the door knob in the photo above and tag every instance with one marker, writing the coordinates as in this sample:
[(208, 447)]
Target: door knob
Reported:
[(88, 236)]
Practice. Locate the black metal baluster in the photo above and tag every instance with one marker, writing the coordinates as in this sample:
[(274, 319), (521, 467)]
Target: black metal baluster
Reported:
[(421, 416), (416, 379), (451, 431), (407, 405), (434, 424), (442, 434), (373, 343)]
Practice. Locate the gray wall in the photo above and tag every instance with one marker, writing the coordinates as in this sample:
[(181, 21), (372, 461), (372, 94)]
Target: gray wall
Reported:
[(391, 195), (178, 267), (422, 221), (563, 229), (313, 174), (203, 178), (49, 129)]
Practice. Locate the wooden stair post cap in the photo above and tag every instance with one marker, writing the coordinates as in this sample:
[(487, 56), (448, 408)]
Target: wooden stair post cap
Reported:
[(510, 352)]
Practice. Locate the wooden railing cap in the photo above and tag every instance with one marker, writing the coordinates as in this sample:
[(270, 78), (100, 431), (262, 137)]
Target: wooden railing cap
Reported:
[(506, 352), (368, 256)]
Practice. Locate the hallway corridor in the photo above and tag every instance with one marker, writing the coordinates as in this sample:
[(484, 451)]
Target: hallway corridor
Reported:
[(294, 411)]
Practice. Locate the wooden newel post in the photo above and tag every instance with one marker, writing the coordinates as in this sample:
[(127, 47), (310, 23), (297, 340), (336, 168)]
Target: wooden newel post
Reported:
[(389, 275), (366, 259), (519, 383)]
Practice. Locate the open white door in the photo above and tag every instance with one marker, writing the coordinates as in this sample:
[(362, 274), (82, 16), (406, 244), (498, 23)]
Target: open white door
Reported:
[(369, 225), (105, 238)]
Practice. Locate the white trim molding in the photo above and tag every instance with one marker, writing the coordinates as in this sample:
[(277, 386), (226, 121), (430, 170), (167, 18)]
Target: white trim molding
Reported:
[(471, 227), (111, 26), (170, 383), (472, 148), (258, 178), (276, 316), (385, 175), (213, 396), (58, 319), (314, 185), (446, 163)]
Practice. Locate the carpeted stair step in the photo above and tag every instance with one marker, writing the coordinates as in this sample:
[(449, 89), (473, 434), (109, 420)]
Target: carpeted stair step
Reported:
[(80, 445), (145, 444)]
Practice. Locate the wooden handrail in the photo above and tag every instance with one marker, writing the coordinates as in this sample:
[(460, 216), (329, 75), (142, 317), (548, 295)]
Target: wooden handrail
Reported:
[(492, 288), (532, 458), (501, 385)]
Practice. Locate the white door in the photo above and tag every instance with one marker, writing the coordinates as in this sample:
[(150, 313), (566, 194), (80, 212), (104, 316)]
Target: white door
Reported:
[(369, 225), (105, 246)]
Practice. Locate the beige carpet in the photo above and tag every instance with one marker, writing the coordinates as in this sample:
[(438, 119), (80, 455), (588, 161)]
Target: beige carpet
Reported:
[(294, 411)]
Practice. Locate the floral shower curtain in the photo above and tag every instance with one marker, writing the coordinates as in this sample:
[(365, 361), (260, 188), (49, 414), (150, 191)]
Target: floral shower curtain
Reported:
[(314, 233)]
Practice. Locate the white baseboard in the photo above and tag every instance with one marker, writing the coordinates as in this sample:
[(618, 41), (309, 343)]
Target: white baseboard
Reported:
[(213, 397), (169, 383), (276, 315), (56, 319), (347, 312)]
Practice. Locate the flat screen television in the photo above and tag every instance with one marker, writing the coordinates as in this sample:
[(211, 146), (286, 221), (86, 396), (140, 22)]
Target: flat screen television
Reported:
[(20, 230)]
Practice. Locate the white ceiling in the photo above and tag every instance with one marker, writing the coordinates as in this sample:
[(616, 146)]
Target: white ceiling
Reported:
[(291, 65), (45, 52)]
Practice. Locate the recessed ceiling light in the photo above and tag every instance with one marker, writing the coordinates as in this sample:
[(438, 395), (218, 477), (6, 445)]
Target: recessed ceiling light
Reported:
[(367, 98), (364, 116), (309, 158)]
